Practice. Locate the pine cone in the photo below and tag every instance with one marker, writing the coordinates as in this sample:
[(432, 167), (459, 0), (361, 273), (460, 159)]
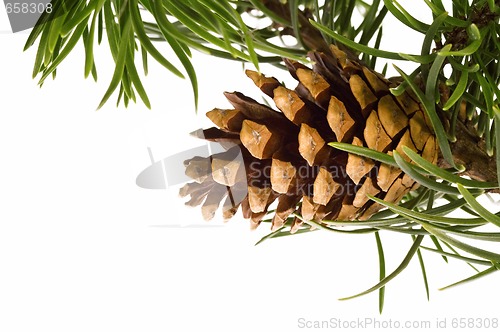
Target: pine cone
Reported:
[(283, 156)]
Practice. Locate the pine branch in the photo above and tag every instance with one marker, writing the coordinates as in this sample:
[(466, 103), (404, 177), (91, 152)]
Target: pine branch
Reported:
[(461, 105)]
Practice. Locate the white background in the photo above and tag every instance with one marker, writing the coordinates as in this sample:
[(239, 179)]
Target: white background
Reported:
[(82, 248)]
